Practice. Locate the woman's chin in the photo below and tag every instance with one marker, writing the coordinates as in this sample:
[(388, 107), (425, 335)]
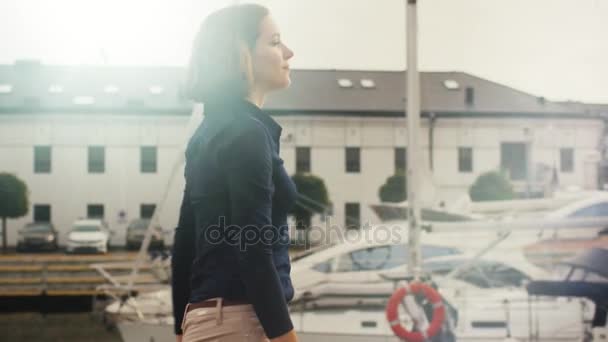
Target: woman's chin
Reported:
[(282, 84)]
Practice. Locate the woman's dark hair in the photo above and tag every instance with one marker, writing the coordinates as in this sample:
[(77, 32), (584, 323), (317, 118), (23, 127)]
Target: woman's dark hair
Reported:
[(220, 66)]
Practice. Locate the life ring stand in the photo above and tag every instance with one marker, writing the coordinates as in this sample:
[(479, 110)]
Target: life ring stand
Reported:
[(392, 312)]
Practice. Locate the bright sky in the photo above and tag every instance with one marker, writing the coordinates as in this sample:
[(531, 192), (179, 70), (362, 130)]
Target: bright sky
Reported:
[(553, 48)]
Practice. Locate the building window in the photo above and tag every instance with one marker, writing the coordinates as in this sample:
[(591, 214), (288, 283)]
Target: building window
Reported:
[(352, 215), (97, 159), (400, 159), (146, 210), (566, 160), (353, 159), (465, 159), (302, 159), (95, 211), (148, 159), (514, 160), (42, 213), (42, 159)]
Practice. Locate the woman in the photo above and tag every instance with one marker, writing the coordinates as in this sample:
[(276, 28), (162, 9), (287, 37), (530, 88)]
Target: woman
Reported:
[(230, 256)]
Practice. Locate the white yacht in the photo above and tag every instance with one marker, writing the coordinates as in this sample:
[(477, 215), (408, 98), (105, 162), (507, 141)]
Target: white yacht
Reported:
[(486, 311), (343, 291)]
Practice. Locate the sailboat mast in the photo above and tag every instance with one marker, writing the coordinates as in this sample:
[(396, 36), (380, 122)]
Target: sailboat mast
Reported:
[(412, 112)]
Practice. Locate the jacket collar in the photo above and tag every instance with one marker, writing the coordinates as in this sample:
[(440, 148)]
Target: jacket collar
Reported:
[(244, 107), (273, 126)]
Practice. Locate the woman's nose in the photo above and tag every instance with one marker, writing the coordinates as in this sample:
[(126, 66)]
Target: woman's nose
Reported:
[(287, 53)]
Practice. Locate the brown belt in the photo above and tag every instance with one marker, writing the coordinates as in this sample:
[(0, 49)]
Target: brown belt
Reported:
[(213, 303)]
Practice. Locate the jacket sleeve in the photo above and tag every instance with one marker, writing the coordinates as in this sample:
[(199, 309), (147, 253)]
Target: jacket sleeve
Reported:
[(181, 261), (249, 174)]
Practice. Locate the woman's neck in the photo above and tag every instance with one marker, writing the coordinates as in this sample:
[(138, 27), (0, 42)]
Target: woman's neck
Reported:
[(257, 98)]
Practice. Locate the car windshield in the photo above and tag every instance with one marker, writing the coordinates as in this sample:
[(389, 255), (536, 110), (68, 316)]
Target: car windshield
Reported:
[(86, 229), (142, 225), (38, 228)]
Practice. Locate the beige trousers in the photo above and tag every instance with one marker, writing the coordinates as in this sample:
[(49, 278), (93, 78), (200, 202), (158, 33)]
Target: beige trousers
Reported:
[(235, 323)]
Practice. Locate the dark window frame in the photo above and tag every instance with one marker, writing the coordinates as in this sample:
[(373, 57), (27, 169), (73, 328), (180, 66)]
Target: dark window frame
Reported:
[(516, 166), (43, 210), (92, 207), (400, 159), (144, 208), (465, 159), (303, 159), (352, 159), (352, 220), (96, 159), (43, 159), (148, 166), (566, 160)]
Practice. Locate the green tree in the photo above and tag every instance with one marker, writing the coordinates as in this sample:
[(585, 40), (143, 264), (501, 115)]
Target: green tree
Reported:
[(13, 201), (394, 189), (313, 199), (491, 186)]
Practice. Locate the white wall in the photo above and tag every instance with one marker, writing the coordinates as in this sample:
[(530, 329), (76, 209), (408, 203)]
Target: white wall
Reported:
[(69, 187), (377, 137)]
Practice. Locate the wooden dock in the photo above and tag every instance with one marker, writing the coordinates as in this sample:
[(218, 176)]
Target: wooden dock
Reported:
[(55, 274)]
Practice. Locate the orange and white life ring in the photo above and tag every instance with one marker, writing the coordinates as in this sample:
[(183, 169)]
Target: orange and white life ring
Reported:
[(392, 312)]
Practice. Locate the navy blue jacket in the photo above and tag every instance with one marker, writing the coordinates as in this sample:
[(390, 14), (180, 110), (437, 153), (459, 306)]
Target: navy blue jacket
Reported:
[(232, 237)]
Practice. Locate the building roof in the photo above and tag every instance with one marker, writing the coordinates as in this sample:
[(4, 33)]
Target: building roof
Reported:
[(37, 87), (318, 90), (28, 86), (590, 108)]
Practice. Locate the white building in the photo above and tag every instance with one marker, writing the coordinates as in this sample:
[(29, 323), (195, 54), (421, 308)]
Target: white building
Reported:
[(103, 140)]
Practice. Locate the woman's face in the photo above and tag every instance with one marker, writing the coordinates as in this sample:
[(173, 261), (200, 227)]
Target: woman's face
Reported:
[(270, 58)]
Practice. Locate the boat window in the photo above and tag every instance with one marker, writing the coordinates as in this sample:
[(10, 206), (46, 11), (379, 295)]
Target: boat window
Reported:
[(387, 257), (311, 251), (500, 275), (475, 276), (400, 254), (561, 272), (442, 267), (430, 251), (595, 210), (366, 259), (596, 278), (484, 274), (324, 267), (578, 274)]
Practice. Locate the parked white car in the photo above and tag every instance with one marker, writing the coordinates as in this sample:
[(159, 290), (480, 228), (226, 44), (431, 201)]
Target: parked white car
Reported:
[(90, 235)]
